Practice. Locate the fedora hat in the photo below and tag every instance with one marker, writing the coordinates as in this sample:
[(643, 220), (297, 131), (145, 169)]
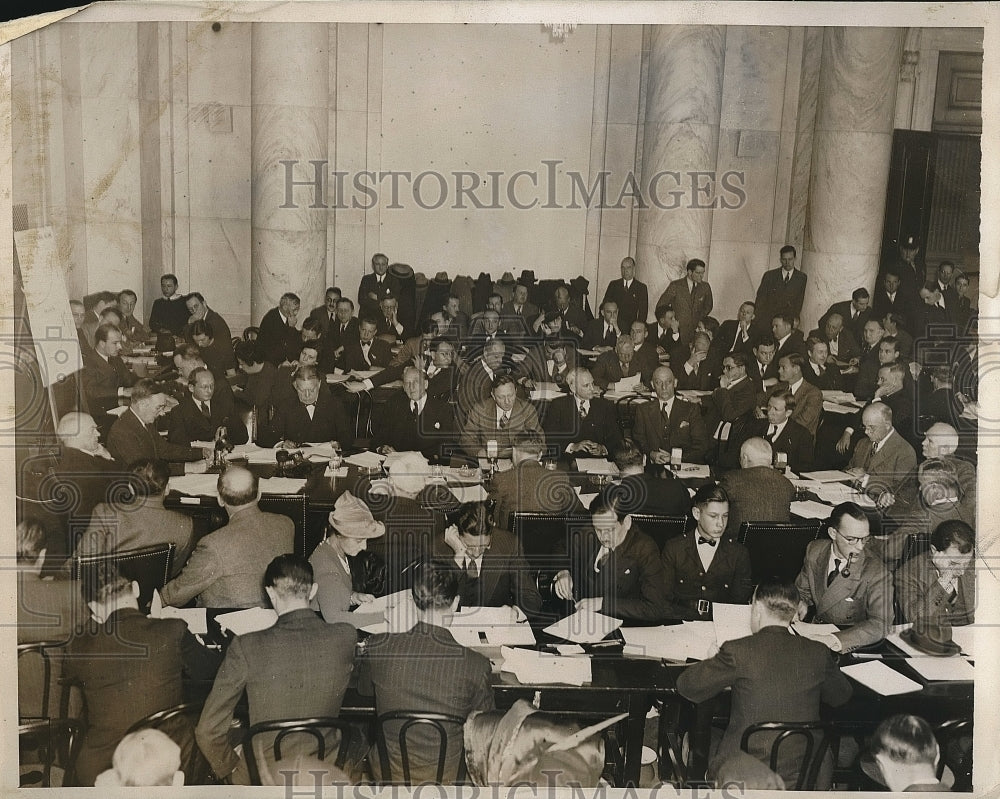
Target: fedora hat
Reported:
[(441, 279), (352, 519), (420, 279), (931, 639), (402, 271)]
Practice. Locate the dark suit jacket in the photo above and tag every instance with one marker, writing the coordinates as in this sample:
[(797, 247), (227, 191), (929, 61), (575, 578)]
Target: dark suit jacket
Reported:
[(794, 440), (867, 377), (725, 338), (633, 302), (226, 569), (749, 666), (474, 386), (427, 433), (90, 475), (888, 467), (425, 670), (851, 325), (922, 598), (661, 496), (518, 324), (369, 283), (847, 344), (686, 429), (608, 370), (702, 380), (101, 381), (757, 494), (379, 354), (337, 338), (808, 405), (187, 423), (126, 674), (277, 341), (169, 315), (861, 602), (690, 307), (322, 315), (677, 349), (220, 329), (563, 424), (630, 579), (830, 380), (277, 668), (593, 335), (775, 296), (130, 440), (686, 581), (905, 302), (529, 487), (291, 422), (728, 404)]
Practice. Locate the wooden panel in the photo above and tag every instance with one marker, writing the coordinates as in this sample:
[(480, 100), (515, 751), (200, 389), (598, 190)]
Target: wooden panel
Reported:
[(953, 231), (958, 101)]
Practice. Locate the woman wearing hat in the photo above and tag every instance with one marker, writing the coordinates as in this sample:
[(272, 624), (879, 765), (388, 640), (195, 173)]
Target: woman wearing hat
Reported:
[(351, 525)]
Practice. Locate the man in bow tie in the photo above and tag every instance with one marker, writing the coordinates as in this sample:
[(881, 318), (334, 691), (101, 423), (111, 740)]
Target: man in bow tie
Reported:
[(311, 416), (703, 566)]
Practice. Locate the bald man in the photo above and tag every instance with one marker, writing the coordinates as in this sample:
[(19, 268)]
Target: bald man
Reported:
[(883, 459), (83, 463), (226, 569), (757, 492)]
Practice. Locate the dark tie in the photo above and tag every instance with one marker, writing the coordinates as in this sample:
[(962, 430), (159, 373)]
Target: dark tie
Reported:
[(871, 454), (555, 373), (503, 421), (471, 569), (833, 572), (205, 410), (665, 415), (786, 277), (710, 541), (771, 430), (583, 410), (413, 408)]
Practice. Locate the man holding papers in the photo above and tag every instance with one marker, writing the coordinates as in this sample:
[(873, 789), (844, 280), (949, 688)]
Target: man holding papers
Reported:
[(774, 676), (846, 587), (939, 586), (612, 568)]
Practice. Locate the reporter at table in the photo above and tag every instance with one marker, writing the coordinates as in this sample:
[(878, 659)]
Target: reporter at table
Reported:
[(612, 568), (846, 586), (313, 415)]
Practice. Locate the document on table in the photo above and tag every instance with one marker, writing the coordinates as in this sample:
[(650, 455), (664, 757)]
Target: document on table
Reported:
[(835, 407), (282, 485), (810, 509), (880, 678), (337, 378), (692, 640), (531, 666), (398, 611), (247, 621), (365, 460), (809, 630), (471, 635), (546, 391), (835, 493), (731, 622), (965, 637), (117, 411), (627, 385), (473, 493), (195, 618), (694, 470), (197, 485), (584, 627), (952, 669), (827, 476), (585, 499), (596, 466), (255, 454)]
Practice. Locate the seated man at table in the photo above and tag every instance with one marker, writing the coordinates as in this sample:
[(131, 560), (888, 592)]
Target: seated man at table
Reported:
[(201, 416), (808, 398), (846, 586), (503, 418), (648, 488), (261, 381), (582, 423), (106, 378), (612, 568), (781, 431), (83, 463), (695, 373), (529, 487), (312, 416), (644, 353), (703, 565), (414, 420), (367, 352), (226, 567), (774, 676), (618, 364), (903, 755), (217, 352), (425, 670), (882, 460), (757, 491), (939, 586), (733, 398), (817, 369), (669, 423), (277, 669), (490, 561)]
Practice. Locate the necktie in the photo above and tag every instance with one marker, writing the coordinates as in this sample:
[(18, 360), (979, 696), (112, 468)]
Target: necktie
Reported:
[(504, 419), (555, 373), (517, 309), (771, 430), (583, 410), (413, 408), (665, 414), (471, 569), (710, 541), (854, 314), (205, 410), (343, 328), (364, 353), (607, 331), (785, 277), (602, 556), (833, 572), (871, 454)]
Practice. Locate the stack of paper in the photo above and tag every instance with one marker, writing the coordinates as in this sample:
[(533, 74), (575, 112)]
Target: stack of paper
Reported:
[(880, 678), (532, 667), (731, 622), (810, 509), (398, 611), (260, 455), (247, 621), (473, 493), (694, 470), (117, 411), (195, 618), (197, 485), (828, 476), (627, 385), (545, 392), (584, 627), (337, 378), (834, 407), (366, 460), (953, 669), (282, 485), (690, 640), (596, 466), (807, 630)]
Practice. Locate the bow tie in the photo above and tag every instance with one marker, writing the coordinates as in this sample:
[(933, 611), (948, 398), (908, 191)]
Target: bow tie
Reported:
[(710, 541), (310, 405)]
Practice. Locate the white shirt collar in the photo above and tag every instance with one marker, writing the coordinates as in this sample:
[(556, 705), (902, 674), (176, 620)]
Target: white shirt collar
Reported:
[(793, 387), (284, 319), (781, 341), (887, 435), (501, 412)]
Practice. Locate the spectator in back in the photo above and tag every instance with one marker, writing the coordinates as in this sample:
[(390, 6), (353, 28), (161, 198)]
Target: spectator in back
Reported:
[(817, 368), (200, 312), (278, 338), (781, 290), (106, 378), (757, 491), (903, 755), (145, 757), (602, 333), (841, 343), (695, 374), (690, 297), (132, 327), (326, 314), (169, 312), (854, 312), (98, 303), (631, 296)]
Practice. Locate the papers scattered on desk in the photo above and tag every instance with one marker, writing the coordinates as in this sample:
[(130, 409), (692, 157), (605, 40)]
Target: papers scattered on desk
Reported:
[(965, 637), (335, 378), (809, 630), (672, 642), (474, 493), (834, 407), (546, 391), (247, 621), (255, 454), (331, 472), (533, 667), (731, 622), (462, 474), (584, 627), (627, 385), (197, 485), (613, 395), (502, 626), (694, 470), (596, 466), (840, 397), (195, 618), (364, 374), (880, 678), (953, 669), (827, 476), (365, 460), (282, 485), (398, 612), (810, 509), (835, 493)]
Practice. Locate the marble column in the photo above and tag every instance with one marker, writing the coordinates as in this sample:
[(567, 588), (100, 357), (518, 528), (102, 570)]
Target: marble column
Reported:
[(681, 135), (852, 145), (289, 96)]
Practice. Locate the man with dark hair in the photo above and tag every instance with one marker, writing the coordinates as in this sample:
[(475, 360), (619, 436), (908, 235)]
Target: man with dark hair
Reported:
[(582, 422), (326, 314), (425, 670), (456, 321), (846, 586), (530, 487), (762, 367), (132, 327), (519, 313), (96, 305), (215, 351), (753, 668), (602, 333), (201, 416), (669, 422), (818, 368), (757, 491), (611, 568), (695, 374), (226, 567), (200, 312), (735, 335), (368, 351), (652, 489), (853, 312), (414, 420), (733, 398), (893, 297), (259, 390), (808, 398), (278, 339), (665, 333), (703, 566), (375, 286), (128, 666), (503, 418), (388, 320), (106, 378), (168, 312), (277, 669), (690, 297), (343, 329), (903, 754), (841, 342), (630, 295), (872, 357), (313, 415), (781, 290), (788, 338), (938, 587)]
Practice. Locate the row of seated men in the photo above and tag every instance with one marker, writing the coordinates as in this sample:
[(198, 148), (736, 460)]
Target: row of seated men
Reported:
[(608, 565)]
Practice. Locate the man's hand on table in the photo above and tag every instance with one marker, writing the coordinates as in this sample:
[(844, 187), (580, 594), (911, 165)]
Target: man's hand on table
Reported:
[(659, 456), (589, 447), (591, 604)]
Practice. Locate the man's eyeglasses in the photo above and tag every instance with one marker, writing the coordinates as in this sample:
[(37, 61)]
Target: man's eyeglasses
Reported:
[(853, 539)]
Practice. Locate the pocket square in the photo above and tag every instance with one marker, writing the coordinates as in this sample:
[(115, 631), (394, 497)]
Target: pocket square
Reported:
[(628, 571), (437, 425), (685, 424), (848, 599)]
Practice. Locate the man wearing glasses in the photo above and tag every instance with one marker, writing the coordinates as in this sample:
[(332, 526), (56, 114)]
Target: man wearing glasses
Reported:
[(844, 586)]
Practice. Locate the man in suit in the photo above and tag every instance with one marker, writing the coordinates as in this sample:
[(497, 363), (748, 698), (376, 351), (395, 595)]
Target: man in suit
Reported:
[(933, 316), (841, 343), (898, 393), (734, 397), (201, 417), (132, 328), (276, 668), (278, 339), (690, 297), (630, 295), (665, 333), (343, 329), (736, 335), (846, 586), (644, 351), (808, 398), (476, 384), (762, 368), (519, 314), (168, 312), (853, 312), (414, 420), (129, 667), (326, 314), (425, 670), (98, 303), (313, 415), (227, 567), (757, 491), (894, 324), (488, 330), (781, 290), (529, 487), (817, 369), (872, 357), (490, 561), (612, 568), (780, 429), (749, 666), (904, 755), (702, 566), (503, 418), (368, 352), (217, 352), (601, 334), (938, 587), (582, 421), (106, 378), (695, 374), (617, 364), (453, 319), (573, 320), (893, 297), (882, 459), (376, 286), (133, 435), (789, 339), (944, 280), (669, 422), (83, 463), (648, 489), (198, 310), (47, 609), (388, 320)]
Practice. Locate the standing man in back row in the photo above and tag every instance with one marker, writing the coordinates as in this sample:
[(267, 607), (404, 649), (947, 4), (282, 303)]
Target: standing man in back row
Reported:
[(781, 290), (376, 287), (629, 294), (690, 297)]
